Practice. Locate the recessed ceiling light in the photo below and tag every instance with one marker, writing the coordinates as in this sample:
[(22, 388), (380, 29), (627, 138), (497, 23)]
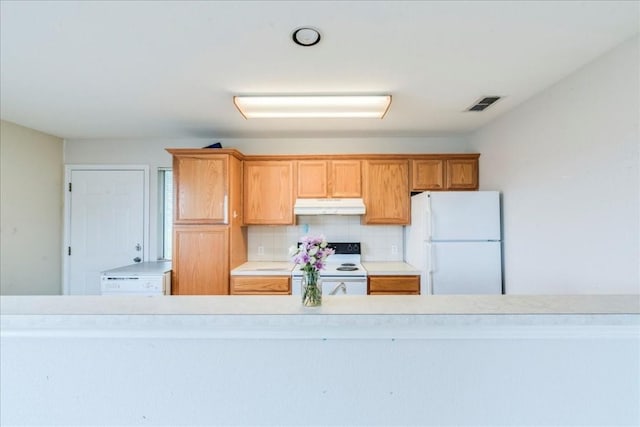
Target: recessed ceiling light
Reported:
[(302, 107), (306, 36)]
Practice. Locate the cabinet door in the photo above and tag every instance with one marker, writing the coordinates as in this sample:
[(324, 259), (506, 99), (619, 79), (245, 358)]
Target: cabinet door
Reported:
[(345, 178), (200, 186), (390, 285), (312, 179), (200, 261), (386, 192), (237, 231), (427, 175), (260, 285), (462, 174), (268, 192)]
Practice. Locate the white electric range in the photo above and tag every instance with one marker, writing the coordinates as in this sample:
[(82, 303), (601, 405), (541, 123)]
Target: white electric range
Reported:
[(343, 273)]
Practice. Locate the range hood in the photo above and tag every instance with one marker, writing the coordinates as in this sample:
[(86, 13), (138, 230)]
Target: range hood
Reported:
[(329, 207)]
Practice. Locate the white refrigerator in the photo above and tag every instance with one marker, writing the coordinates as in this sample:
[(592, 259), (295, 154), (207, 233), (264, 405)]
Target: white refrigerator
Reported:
[(454, 239)]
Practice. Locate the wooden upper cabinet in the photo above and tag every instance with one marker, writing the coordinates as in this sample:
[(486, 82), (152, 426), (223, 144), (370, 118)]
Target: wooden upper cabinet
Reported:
[(386, 192), (427, 174), (201, 189), (345, 178), (447, 172), (462, 174), (320, 179), (313, 179), (235, 192), (268, 192)]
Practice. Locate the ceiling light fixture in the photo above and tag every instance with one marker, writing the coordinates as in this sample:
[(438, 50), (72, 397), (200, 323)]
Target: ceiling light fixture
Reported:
[(306, 36), (303, 107)]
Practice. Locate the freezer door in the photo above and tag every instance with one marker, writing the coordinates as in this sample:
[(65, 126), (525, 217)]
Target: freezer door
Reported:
[(465, 215), (466, 268)]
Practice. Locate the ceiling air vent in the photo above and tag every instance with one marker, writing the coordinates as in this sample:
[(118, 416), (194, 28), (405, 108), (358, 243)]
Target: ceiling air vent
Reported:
[(483, 103)]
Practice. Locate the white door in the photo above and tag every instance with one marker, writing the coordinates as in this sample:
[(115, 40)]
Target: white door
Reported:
[(105, 225), (466, 268)]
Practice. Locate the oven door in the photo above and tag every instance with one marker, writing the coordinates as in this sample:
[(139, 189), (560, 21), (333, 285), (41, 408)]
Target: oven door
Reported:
[(334, 285)]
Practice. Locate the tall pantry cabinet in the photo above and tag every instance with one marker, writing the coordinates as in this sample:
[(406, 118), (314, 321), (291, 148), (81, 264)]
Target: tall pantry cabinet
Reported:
[(209, 239)]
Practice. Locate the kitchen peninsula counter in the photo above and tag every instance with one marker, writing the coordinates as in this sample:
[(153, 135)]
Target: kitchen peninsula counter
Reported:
[(332, 305), (387, 356)]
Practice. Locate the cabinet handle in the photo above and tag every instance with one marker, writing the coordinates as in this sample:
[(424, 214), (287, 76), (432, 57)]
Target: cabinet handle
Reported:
[(226, 209)]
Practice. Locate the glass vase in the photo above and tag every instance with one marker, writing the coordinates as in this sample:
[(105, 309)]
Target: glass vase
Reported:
[(311, 289)]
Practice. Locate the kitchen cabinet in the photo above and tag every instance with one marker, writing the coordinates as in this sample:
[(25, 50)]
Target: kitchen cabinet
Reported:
[(457, 172), (260, 285), (209, 238), (386, 191), (346, 178), (394, 285), (200, 261), (427, 174), (269, 192), (462, 174), (202, 184), (313, 179), (329, 178)]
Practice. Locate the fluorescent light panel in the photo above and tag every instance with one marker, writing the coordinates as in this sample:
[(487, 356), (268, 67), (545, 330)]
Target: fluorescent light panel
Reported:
[(357, 106)]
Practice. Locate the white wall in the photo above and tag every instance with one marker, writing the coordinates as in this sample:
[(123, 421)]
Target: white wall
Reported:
[(323, 370), (152, 153), (31, 179), (566, 162)]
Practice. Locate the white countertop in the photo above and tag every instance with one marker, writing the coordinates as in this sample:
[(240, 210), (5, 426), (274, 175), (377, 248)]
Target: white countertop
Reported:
[(332, 305), (278, 268), (263, 268), (141, 269), (390, 269)]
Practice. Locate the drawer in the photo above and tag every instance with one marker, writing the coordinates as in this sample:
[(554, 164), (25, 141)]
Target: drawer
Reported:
[(398, 285), (260, 285)]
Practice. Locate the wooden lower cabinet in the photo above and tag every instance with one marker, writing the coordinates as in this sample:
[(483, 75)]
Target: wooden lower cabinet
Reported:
[(200, 261), (260, 285), (394, 285)]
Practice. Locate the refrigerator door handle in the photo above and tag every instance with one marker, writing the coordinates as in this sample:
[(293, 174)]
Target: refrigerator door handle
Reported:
[(429, 275)]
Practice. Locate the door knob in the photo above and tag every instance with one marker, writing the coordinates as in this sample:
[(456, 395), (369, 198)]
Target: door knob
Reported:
[(137, 259)]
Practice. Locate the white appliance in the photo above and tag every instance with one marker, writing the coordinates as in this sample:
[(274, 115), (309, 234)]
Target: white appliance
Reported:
[(143, 278), (329, 207), (455, 240), (343, 273)]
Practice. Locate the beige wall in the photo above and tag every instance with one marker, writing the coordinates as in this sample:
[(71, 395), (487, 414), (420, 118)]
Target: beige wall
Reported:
[(31, 179)]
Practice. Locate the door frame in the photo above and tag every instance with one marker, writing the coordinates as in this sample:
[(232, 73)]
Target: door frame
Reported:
[(66, 240)]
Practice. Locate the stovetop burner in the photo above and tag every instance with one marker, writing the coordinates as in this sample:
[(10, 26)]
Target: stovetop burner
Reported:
[(347, 264), (347, 268)]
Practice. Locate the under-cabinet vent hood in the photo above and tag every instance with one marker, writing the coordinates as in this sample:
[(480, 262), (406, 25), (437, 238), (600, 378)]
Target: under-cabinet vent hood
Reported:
[(329, 207)]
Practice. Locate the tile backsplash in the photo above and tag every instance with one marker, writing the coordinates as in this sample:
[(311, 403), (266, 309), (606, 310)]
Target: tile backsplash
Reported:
[(379, 242)]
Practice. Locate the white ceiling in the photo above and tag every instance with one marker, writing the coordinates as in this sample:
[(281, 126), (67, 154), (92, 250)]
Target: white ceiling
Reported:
[(169, 69)]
